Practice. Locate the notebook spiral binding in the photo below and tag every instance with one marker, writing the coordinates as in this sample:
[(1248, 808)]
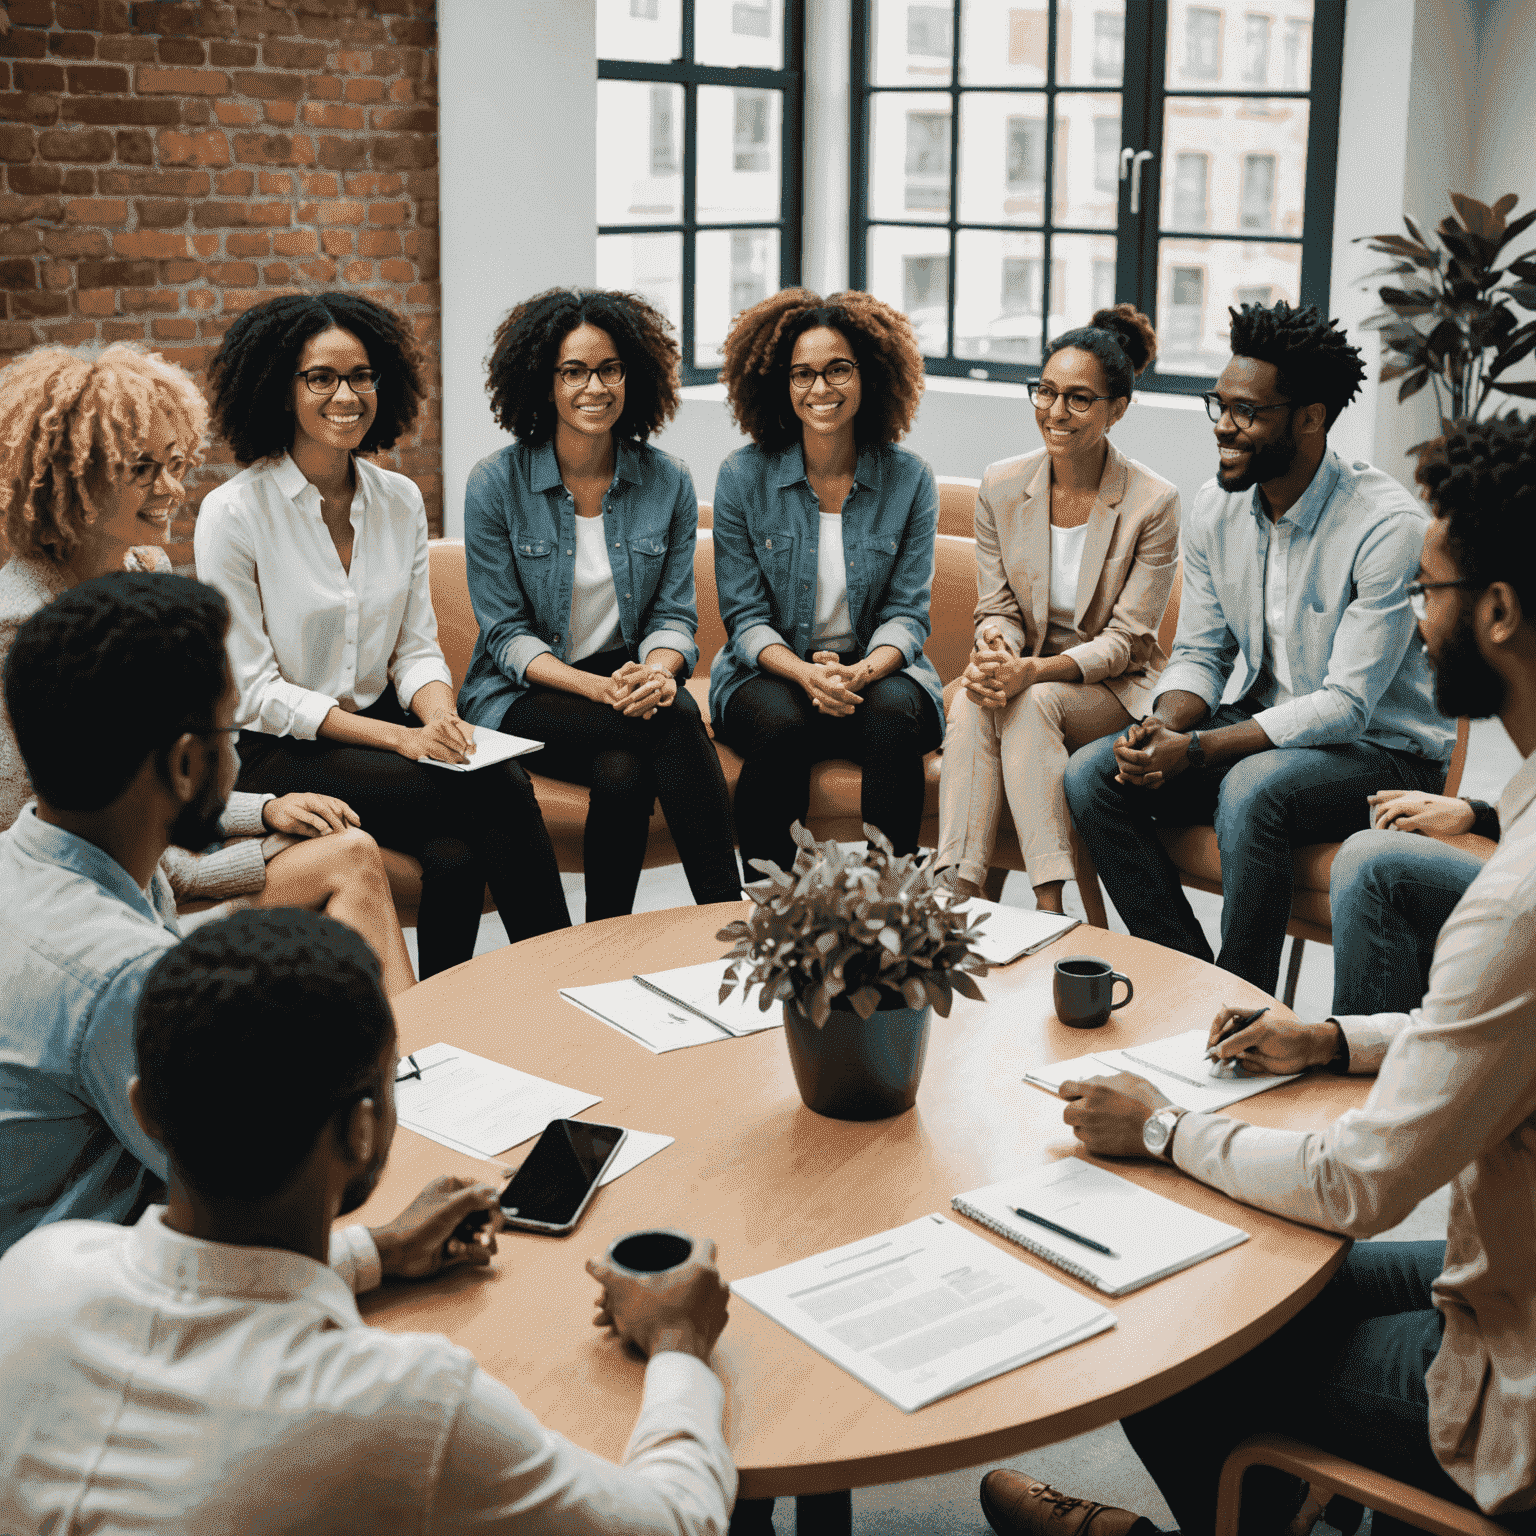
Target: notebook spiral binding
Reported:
[(1077, 1271)]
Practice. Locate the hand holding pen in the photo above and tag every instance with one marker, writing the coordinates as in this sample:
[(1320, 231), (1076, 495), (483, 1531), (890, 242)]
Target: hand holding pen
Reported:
[(1263, 1041)]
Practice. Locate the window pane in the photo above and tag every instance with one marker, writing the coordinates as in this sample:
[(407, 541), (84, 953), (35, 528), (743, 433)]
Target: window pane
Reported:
[(911, 42), (1197, 280), (909, 268), (640, 154), (1237, 44), (1082, 279), (650, 265), (739, 150), (1086, 186), (1000, 296), (1090, 42), (909, 160), (746, 34), (1005, 42), (650, 30), (734, 269), (1232, 165)]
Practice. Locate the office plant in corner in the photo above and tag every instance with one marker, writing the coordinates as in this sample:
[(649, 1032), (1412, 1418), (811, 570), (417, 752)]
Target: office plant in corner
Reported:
[(859, 949), (1449, 317)]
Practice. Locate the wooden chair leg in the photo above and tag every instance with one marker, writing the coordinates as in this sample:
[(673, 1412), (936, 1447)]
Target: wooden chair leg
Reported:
[(1086, 873), (1293, 970), (992, 886)]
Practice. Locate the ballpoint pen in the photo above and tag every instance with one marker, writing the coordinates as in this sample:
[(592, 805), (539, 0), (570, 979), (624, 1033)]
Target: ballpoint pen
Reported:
[(1050, 1226), (417, 1069), (1242, 1021)]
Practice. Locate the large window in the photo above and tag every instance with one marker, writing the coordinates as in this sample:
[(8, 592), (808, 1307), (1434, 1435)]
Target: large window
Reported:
[(699, 159), (1020, 163)]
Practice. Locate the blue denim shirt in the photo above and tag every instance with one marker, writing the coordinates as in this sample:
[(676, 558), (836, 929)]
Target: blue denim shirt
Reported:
[(1357, 670), (78, 940), (520, 551), (767, 536)]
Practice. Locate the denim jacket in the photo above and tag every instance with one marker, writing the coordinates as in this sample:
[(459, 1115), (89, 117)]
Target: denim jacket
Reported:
[(767, 534), (520, 550), (1358, 671)]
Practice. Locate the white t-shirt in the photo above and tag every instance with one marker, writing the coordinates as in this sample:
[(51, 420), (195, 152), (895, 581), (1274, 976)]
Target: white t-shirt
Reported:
[(832, 618), (594, 601), (1276, 601), (1066, 566)]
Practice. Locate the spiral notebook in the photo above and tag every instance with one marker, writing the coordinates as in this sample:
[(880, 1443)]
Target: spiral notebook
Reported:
[(1148, 1236)]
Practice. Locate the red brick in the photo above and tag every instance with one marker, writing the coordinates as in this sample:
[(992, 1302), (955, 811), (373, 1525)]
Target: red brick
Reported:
[(274, 183), (269, 87), (236, 113), (206, 245), (137, 183), (319, 184), (372, 183), (281, 114), (74, 243), (273, 215), (126, 111), (201, 298), (334, 242), (231, 55), (96, 210), (39, 304), (357, 272), (183, 82), (22, 107), (389, 153), (388, 213), (247, 245), (237, 300), (58, 275), (421, 34), (14, 338), (296, 242), (90, 145), (68, 333), (181, 50), (116, 274), (180, 271), (207, 148), (397, 270), (174, 330), (84, 14), (404, 119), (343, 154), (139, 300), (47, 78), (126, 50), (17, 144), (96, 301), (426, 213), (72, 45), (176, 19), (322, 88), (21, 240), (323, 115), (343, 211), (41, 15), (161, 213), (135, 147), (150, 245), (233, 274), (196, 112), (122, 330), (97, 79), (79, 182), (362, 90), (361, 29), (274, 149), (18, 274), (378, 242), (211, 215), (276, 273), (286, 54), (234, 183), (402, 90)]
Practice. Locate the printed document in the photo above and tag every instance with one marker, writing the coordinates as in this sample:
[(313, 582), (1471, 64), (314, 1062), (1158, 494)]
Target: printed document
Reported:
[(697, 988), (1010, 933), (923, 1310), (478, 1106), (657, 1022), (1176, 1065), (490, 747)]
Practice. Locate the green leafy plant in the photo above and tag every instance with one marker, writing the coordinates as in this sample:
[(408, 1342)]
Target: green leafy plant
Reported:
[(871, 927), (1446, 320)]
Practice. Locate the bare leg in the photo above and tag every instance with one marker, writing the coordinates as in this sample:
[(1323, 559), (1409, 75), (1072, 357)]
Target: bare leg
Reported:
[(342, 875), (1048, 896)]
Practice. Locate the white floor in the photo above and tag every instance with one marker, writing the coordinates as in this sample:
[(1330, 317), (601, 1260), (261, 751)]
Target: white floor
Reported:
[(1099, 1466)]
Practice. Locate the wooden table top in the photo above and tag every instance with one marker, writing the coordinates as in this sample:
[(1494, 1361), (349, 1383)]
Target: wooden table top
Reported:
[(771, 1183)]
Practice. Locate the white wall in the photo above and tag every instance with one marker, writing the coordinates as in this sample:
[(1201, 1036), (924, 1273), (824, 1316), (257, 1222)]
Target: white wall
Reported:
[(518, 150)]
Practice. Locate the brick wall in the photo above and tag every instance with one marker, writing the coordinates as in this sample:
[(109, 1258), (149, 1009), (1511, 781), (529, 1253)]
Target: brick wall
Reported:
[(170, 165)]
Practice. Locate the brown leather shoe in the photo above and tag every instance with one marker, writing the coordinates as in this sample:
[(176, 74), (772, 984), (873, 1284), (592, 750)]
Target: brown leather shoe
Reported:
[(1016, 1505)]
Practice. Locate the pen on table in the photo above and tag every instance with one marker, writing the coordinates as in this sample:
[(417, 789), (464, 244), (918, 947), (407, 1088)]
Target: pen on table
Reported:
[(1050, 1226), (417, 1069), (1242, 1021)]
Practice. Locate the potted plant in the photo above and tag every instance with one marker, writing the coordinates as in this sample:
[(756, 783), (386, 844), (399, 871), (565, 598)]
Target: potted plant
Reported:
[(859, 949), (1449, 315)]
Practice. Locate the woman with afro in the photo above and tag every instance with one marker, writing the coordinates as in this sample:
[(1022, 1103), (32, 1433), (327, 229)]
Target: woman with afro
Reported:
[(322, 557), (823, 534), (1076, 549), (579, 537)]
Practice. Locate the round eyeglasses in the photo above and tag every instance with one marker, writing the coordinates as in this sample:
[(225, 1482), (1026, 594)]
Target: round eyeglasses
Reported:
[(837, 373), (1241, 411), (578, 376), (144, 472), (1418, 604), (326, 381), (1079, 401)]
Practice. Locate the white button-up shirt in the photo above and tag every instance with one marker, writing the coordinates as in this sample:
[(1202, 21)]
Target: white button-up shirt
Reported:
[(304, 634), (155, 1382), (1454, 1102)]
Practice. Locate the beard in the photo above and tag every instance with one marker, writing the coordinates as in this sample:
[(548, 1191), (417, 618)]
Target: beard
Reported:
[(1464, 683), (360, 1188), (197, 822), (1267, 462)]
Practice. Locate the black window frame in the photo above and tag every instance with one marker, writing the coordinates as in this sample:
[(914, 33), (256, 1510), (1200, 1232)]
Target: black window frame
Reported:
[(690, 75), (1144, 88)]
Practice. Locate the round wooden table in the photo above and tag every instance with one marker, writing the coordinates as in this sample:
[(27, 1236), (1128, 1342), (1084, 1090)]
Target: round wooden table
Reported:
[(771, 1182)]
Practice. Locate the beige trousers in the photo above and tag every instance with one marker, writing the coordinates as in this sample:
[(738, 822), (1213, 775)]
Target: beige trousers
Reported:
[(1019, 751)]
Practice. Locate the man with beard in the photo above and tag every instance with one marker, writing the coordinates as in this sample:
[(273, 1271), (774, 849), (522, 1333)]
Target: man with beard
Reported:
[(1297, 561), (1418, 1359), (206, 1370)]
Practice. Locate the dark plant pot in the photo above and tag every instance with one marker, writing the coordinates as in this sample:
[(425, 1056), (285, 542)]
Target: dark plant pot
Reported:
[(857, 1069)]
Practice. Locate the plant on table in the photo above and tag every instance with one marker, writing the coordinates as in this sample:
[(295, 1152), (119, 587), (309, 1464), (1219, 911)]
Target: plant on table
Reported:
[(852, 930)]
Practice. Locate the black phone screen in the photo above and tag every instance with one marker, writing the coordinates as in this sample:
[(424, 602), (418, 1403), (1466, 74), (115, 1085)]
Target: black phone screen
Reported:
[(556, 1176)]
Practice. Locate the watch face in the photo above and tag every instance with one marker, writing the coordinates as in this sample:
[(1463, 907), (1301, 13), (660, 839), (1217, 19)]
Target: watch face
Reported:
[(1154, 1133)]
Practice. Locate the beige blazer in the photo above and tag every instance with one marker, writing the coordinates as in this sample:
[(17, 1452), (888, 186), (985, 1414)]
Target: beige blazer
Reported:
[(1130, 555)]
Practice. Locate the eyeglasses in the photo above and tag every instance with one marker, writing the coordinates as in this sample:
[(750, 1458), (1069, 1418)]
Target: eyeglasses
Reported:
[(326, 381), (1079, 401), (837, 373), (146, 471), (1418, 604), (576, 376), (1241, 411)]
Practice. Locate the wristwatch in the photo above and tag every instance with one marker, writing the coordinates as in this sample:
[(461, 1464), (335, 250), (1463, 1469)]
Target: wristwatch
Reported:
[(1194, 753), (1157, 1132)]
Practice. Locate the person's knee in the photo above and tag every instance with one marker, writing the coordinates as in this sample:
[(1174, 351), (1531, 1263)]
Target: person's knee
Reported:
[(1089, 780), (1049, 702), (622, 775), (1256, 793), (1365, 867)]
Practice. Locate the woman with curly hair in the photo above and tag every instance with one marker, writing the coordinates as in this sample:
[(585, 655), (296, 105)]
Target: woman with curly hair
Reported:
[(579, 537), (93, 451), (824, 533), (322, 557), (1076, 549)]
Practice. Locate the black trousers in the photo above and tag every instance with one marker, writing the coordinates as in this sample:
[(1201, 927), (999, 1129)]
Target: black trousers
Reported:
[(628, 764), (782, 735), (469, 830)]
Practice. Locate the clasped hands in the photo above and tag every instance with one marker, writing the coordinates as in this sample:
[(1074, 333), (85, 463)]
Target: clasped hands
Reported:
[(832, 684), (640, 688), (292, 818), (994, 674), (1150, 753), (1107, 1113)]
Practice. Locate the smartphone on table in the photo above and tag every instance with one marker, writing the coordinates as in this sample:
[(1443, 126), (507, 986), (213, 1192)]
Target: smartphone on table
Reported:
[(557, 1179)]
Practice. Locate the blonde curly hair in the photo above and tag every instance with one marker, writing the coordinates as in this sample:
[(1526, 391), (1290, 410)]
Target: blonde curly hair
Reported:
[(70, 422)]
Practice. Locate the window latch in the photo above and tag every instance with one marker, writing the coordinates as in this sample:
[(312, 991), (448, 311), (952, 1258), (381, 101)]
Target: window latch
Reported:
[(1142, 155)]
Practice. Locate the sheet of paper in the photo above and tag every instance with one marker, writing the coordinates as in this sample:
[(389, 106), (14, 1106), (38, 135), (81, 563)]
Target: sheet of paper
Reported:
[(1176, 1065), (1010, 933), (638, 1146), (490, 747), (646, 1018), (470, 1103), (923, 1310), (697, 987)]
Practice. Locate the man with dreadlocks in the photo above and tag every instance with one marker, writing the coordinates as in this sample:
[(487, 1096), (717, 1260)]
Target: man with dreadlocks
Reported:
[(1298, 562)]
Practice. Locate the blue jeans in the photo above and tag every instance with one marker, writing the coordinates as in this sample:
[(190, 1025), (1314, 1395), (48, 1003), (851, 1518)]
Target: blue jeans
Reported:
[(1262, 807), (1391, 893), (1346, 1374)]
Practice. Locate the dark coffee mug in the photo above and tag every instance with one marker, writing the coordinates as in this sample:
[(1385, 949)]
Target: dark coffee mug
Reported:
[(1084, 989), (652, 1252)]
